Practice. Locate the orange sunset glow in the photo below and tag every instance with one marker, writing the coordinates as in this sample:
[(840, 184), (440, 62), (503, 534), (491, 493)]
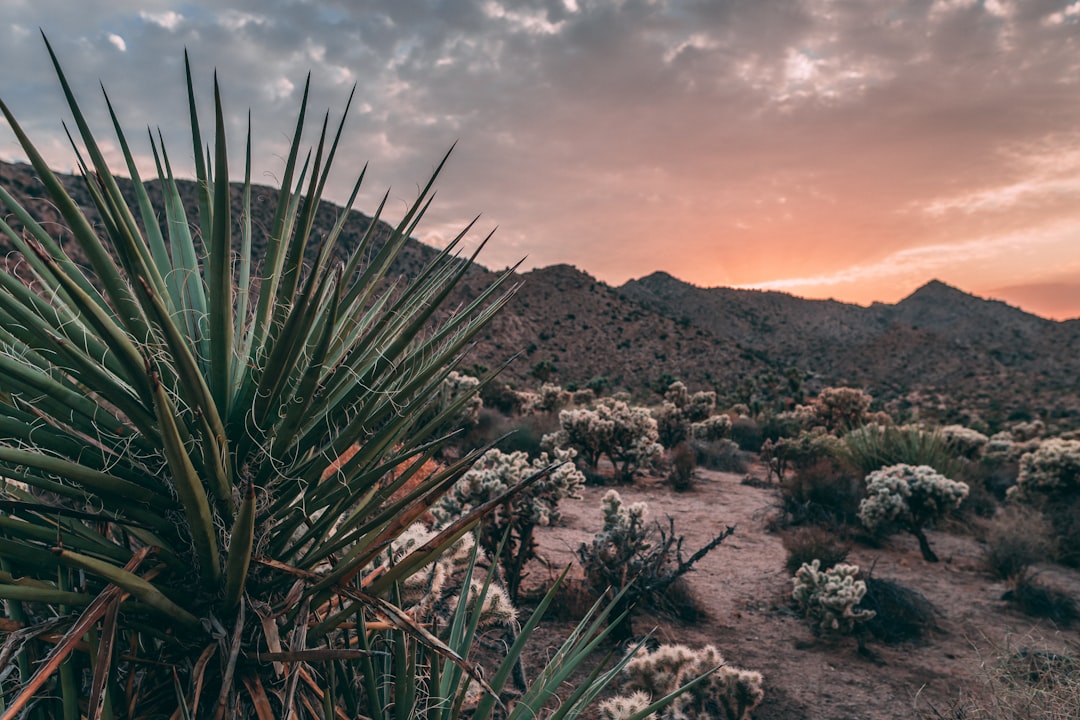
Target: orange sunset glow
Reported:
[(847, 150)]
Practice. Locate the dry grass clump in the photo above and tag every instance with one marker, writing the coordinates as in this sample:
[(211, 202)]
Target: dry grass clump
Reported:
[(1020, 685), (900, 613), (1018, 537), (683, 460), (823, 491), (812, 542), (1040, 600)]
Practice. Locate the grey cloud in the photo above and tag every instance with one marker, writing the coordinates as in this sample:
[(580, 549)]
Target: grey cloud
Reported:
[(582, 132)]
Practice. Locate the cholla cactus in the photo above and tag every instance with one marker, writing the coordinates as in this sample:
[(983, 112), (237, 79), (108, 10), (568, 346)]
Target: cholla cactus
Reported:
[(677, 394), (702, 405), (621, 707), (729, 693), (841, 408), (711, 428), (626, 435), (583, 396), (910, 497), (627, 553), (1052, 469), (1028, 430), (538, 505), (828, 598), (553, 398), (965, 441), (456, 388), (671, 425), (434, 592)]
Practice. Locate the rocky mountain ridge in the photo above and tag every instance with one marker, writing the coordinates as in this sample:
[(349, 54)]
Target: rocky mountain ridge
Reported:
[(940, 349)]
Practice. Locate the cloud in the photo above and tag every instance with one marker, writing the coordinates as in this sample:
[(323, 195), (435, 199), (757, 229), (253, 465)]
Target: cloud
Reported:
[(598, 133), (170, 20)]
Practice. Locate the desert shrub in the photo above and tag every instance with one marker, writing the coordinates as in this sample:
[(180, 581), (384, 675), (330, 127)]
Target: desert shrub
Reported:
[(500, 396), (525, 433), (900, 613), (584, 396), (626, 435), (789, 423), (1017, 538), (1064, 517), (909, 497), (746, 433), (671, 425), (677, 394), (701, 406), (875, 446), (1027, 430), (553, 398), (816, 484), (1049, 479), (1043, 601), (799, 452), (964, 441), (711, 429), (633, 563), (1053, 469), (535, 506), (828, 598), (681, 410), (841, 408), (683, 460), (723, 455), (806, 544), (728, 693)]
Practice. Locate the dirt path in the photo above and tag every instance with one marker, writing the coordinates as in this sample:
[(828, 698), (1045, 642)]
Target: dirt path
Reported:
[(745, 592)]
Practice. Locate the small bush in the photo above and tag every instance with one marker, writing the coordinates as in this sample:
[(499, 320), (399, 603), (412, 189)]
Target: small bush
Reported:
[(1064, 517), (1049, 479), (1042, 601), (1017, 538), (711, 428), (964, 441), (841, 408), (807, 544), (1053, 470), (901, 614), (729, 693), (683, 461), (722, 455), (746, 433), (824, 491)]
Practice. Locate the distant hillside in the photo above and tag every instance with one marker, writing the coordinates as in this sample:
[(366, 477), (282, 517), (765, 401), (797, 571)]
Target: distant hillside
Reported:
[(941, 350), (938, 341)]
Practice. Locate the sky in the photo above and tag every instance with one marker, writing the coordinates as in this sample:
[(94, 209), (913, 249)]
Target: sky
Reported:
[(852, 149)]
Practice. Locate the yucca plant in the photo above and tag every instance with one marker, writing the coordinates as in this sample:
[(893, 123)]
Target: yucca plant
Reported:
[(171, 543)]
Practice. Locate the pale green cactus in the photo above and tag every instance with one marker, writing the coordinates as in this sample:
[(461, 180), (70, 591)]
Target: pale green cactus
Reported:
[(909, 497), (1054, 468), (728, 693), (535, 506), (829, 598)]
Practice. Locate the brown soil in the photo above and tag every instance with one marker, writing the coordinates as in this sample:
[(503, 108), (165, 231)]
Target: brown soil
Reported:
[(745, 593)]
